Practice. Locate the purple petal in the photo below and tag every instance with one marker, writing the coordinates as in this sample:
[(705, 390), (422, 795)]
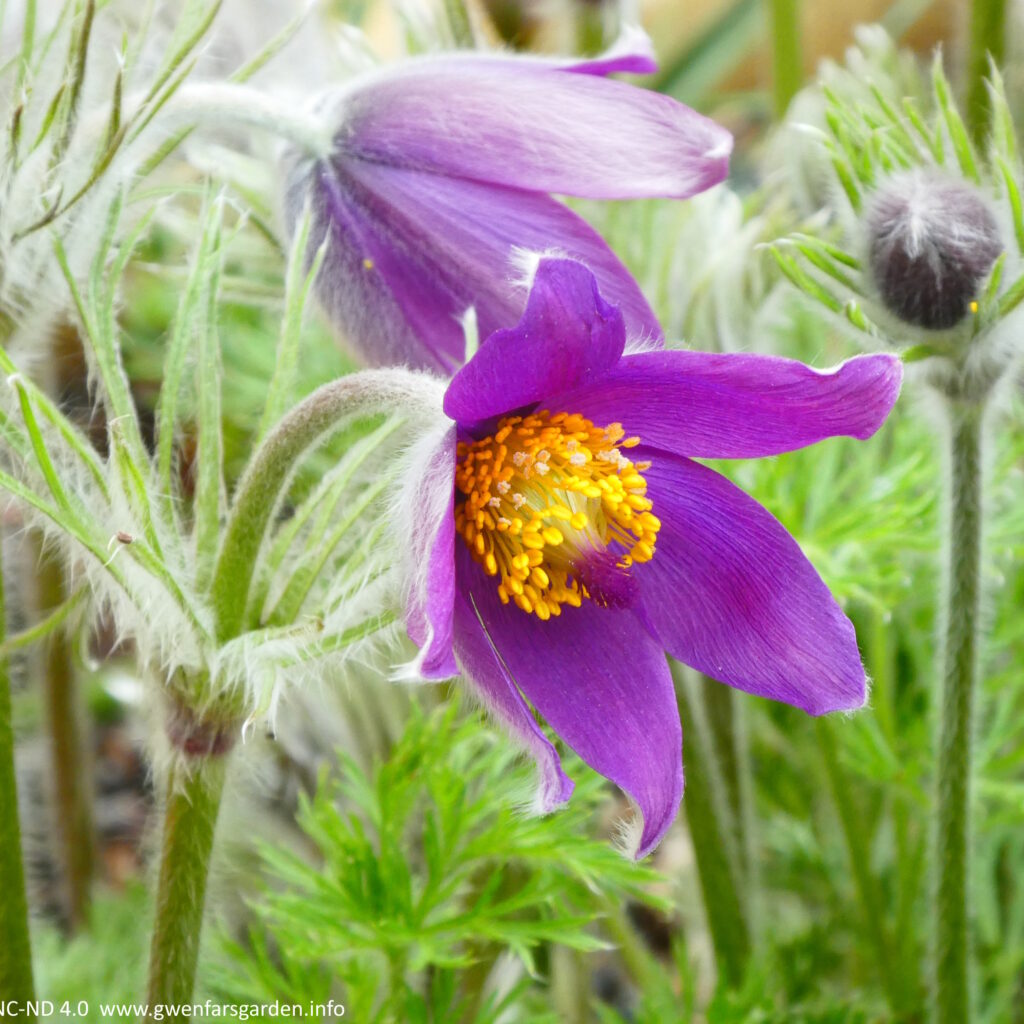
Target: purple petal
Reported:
[(730, 593), (527, 125), (430, 590), (602, 683), (410, 252), (632, 52), (738, 406), (490, 683), (568, 335)]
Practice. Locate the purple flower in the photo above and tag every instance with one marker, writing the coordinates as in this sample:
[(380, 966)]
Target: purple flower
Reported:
[(440, 175), (564, 538)]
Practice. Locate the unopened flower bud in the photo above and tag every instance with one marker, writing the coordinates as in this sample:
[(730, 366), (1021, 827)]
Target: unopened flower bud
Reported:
[(931, 242)]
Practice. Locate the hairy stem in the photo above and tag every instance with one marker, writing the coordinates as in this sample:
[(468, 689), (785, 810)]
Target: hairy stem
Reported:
[(725, 730), (986, 37), (640, 963), (15, 951), (460, 23), (898, 986), (569, 989), (231, 104), (787, 52), (592, 27), (194, 790), (711, 831), (960, 649), (311, 421), (69, 756)]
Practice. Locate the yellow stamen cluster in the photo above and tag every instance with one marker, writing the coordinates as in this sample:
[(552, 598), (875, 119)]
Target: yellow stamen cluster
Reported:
[(542, 493)]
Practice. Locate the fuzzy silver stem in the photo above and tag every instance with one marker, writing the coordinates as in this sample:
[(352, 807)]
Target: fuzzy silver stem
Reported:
[(70, 754), (718, 862), (190, 819), (724, 717), (899, 987), (223, 103), (15, 951), (360, 394), (961, 628)]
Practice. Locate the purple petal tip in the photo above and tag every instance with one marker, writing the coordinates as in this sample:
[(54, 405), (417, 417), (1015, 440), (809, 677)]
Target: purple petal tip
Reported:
[(889, 369), (846, 700), (553, 791)]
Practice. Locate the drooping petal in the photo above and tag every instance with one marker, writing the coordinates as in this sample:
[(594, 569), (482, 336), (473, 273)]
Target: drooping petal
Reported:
[(409, 252), (490, 683), (601, 682), (427, 519), (730, 593), (738, 406), (632, 52), (568, 335), (526, 125)]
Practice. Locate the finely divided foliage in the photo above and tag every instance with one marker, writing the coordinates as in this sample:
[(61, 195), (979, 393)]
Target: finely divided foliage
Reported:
[(485, 887)]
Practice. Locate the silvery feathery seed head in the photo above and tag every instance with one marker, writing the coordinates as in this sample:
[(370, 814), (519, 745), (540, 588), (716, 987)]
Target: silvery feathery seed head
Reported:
[(932, 239)]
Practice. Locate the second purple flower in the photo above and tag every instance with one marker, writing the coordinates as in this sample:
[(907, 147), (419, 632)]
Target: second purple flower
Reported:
[(440, 174)]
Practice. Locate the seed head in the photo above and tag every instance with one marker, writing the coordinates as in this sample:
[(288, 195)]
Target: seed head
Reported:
[(931, 242)]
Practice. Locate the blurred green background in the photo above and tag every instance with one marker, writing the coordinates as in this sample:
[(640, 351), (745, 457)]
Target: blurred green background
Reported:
[(375, 852)]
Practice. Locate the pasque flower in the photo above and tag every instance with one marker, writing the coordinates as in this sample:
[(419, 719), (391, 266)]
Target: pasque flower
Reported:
[(440, 171), (563, 538)]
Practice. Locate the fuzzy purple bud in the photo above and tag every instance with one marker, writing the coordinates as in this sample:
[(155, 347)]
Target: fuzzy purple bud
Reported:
[(931, 242)]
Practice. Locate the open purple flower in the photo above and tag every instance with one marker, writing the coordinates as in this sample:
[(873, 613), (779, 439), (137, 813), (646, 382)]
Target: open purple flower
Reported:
[(564, 538), (440, 174)]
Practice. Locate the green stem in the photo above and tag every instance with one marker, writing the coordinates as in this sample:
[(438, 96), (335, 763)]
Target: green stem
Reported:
[(728, 741), (903, 962), (707, 814), (591, 26), (460, 23), (15, 951), (194, 790), (986, 38), (640, 963), (787, 52), (570, 997), (899, 988), (366, 393), (69, 756), (960, 649)]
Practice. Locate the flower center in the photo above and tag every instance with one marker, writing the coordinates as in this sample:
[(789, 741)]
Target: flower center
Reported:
[(551, 506)]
